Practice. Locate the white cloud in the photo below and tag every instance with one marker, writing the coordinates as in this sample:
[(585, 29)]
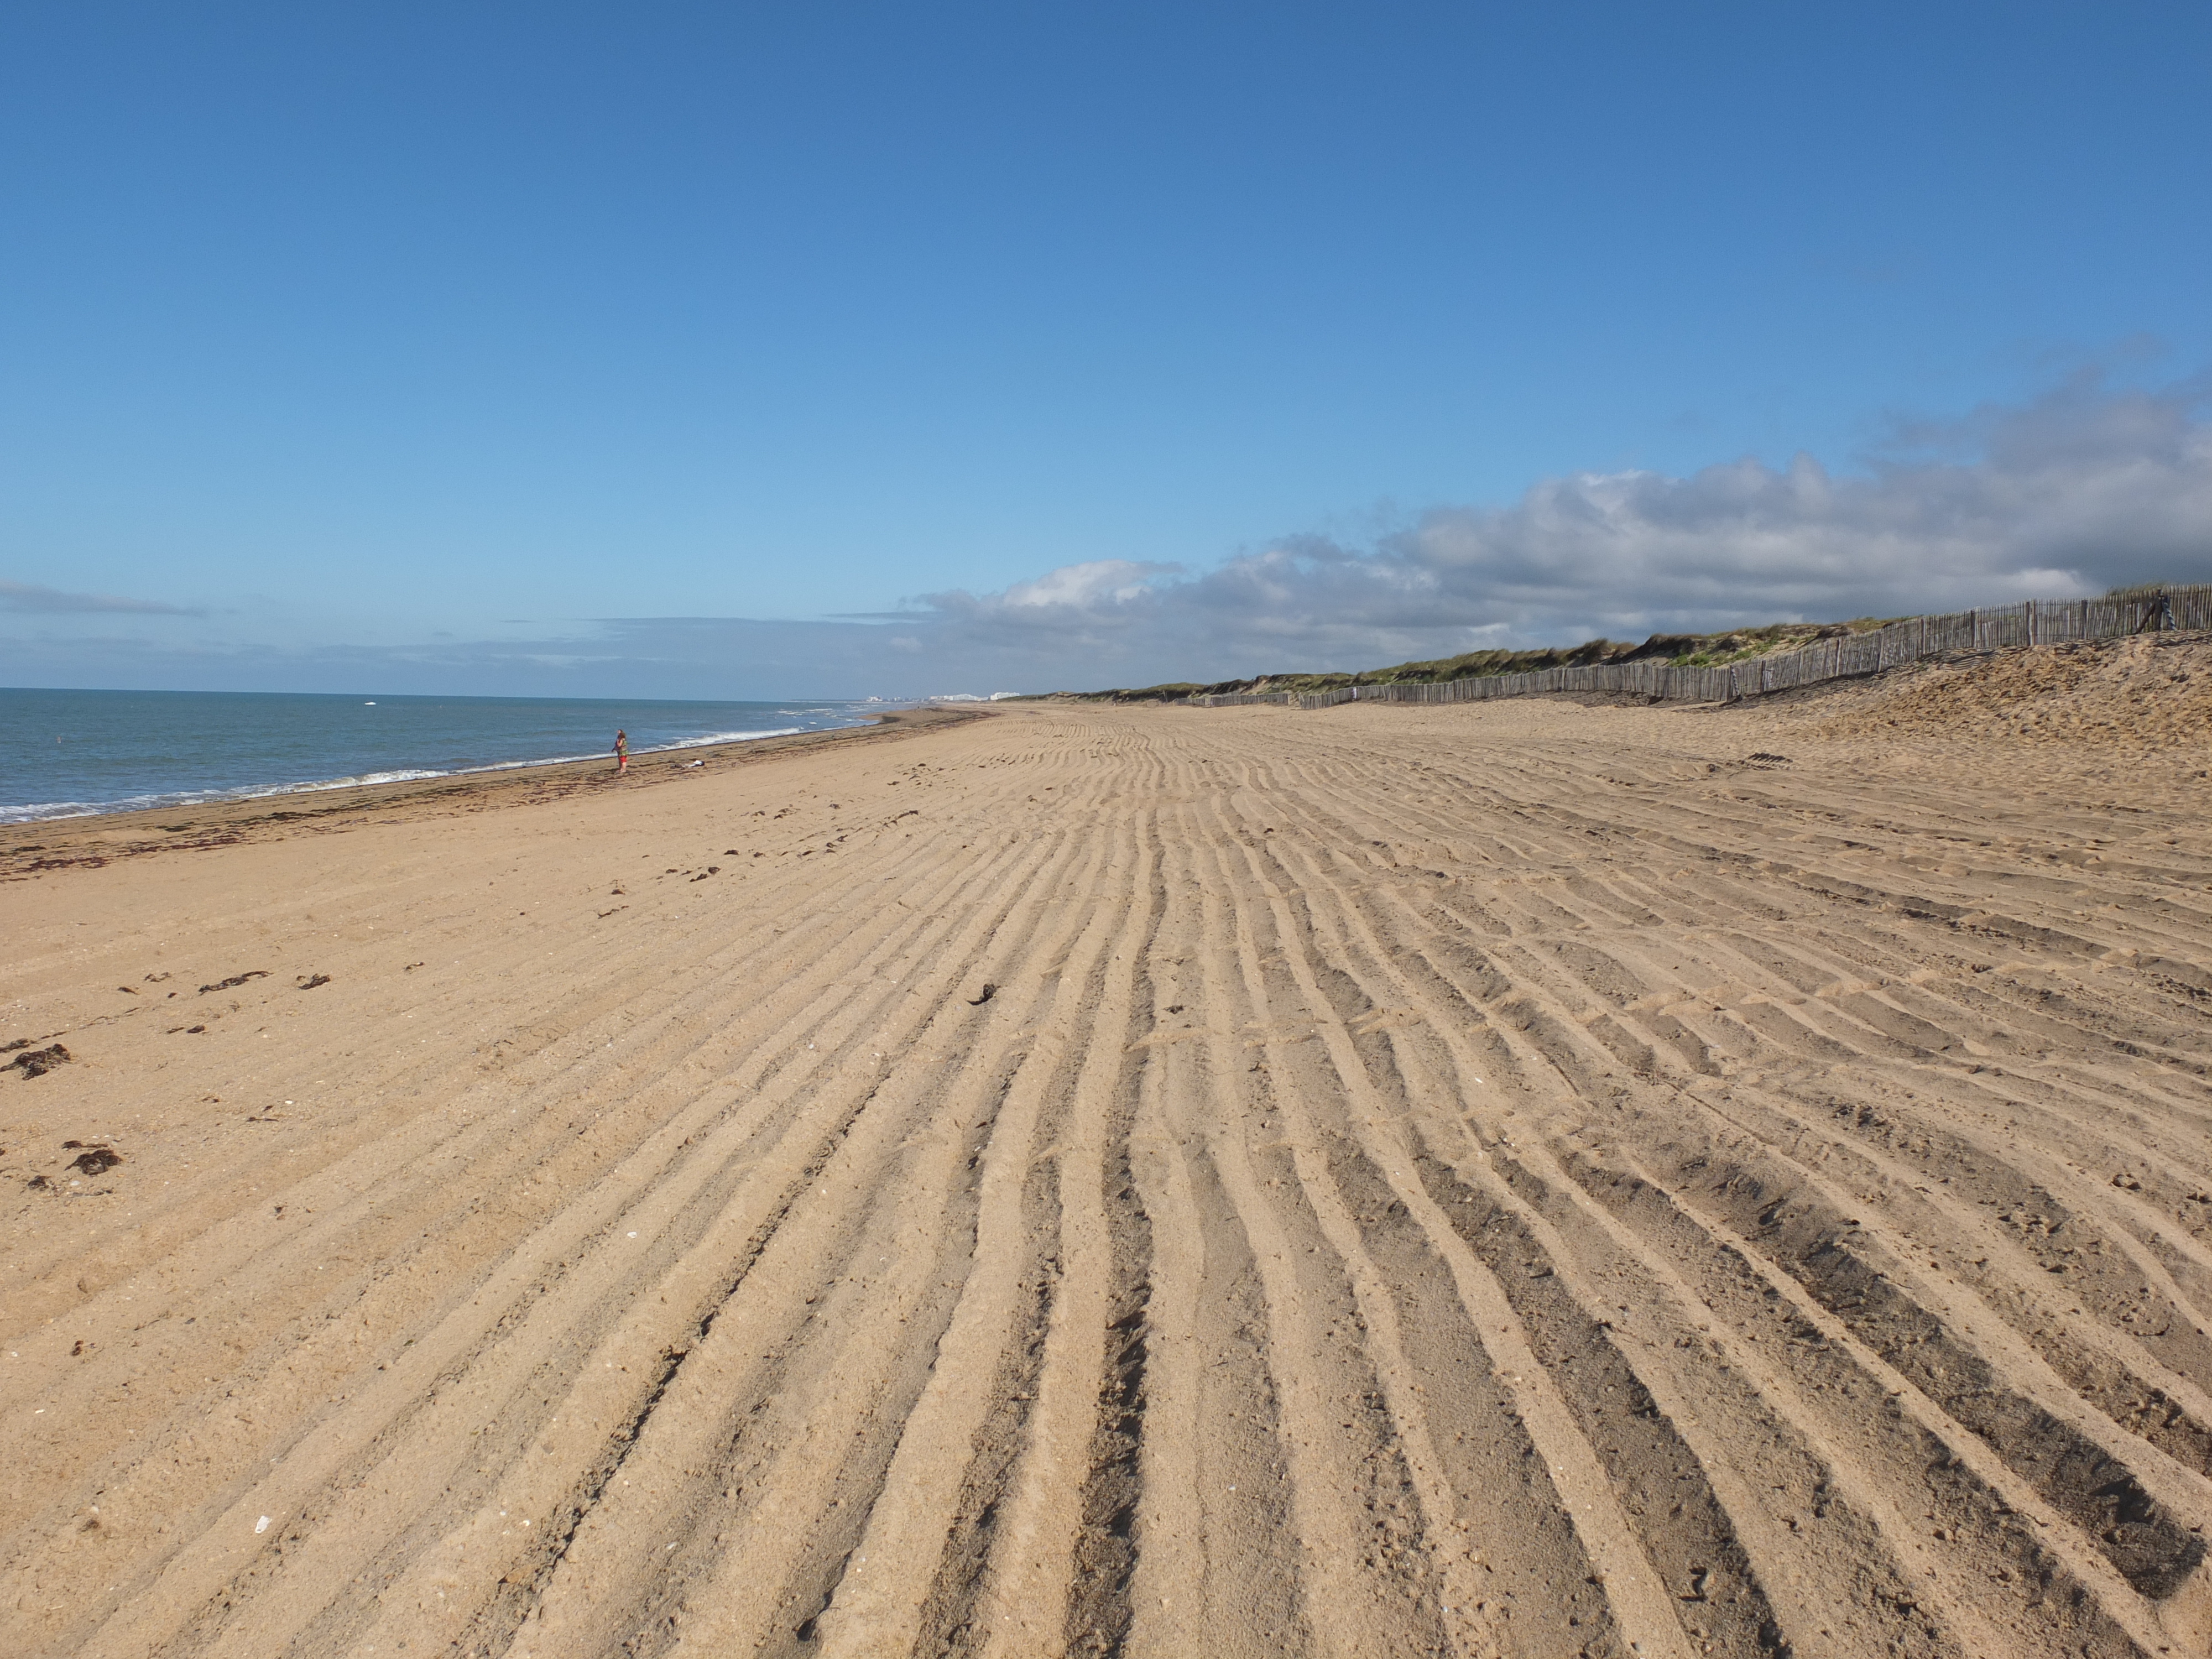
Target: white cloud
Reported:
[(1100, 581)]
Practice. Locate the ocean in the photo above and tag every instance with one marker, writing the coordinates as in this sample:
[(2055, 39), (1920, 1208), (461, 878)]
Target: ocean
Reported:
[(68, 753)]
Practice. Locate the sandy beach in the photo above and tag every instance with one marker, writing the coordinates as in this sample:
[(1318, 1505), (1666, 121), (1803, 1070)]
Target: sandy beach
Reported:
[(1526, 1178)]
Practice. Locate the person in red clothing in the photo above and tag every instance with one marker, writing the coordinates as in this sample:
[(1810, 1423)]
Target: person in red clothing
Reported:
[(622, 751)]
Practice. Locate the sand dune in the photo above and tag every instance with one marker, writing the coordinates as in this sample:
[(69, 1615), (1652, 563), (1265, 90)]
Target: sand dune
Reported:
[(1495, 1179)]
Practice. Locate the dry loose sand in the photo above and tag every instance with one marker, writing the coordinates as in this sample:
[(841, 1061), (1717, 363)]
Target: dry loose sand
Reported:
[(1527, 1179)]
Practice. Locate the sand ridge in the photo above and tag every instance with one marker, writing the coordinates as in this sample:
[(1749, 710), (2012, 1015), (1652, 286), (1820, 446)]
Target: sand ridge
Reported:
[(1500, 1178)]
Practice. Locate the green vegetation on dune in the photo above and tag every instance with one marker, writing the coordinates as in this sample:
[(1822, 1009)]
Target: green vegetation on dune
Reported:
[(1681, 650)]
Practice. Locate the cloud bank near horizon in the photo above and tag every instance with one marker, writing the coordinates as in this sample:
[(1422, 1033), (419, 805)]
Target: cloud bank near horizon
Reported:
[(29, 597), (2079, 490)]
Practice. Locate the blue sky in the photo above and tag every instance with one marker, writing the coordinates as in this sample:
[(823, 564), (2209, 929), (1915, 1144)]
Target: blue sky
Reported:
[(688, 349)]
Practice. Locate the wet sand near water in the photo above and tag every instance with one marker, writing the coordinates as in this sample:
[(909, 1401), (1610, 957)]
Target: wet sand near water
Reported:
[(1517, 1178), (62, 843)]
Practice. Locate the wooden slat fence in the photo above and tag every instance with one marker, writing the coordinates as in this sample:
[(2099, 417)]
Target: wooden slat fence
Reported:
[(1916, 638)]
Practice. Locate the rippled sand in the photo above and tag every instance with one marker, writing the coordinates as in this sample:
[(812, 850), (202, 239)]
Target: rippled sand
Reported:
[(1515, 1178)]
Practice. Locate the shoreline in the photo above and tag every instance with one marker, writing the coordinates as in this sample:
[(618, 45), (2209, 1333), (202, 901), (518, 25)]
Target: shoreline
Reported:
[(30, 848), (192, 800)]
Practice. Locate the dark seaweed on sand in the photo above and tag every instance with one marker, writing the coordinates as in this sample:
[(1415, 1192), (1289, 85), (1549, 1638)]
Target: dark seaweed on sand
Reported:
[(40, 1061), (235, 979)]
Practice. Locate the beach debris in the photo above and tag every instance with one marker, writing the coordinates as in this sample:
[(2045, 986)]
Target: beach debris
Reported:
[(1771, 760), (729, 852), (94, 1160), (10, 1047), (989, 991), (261, 1526), (40, 1061), (235, 979), (128, 990), (309, 984), (410, 967)]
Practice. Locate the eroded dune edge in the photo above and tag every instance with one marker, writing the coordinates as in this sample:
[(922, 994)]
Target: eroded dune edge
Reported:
[(1515, 1179)]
